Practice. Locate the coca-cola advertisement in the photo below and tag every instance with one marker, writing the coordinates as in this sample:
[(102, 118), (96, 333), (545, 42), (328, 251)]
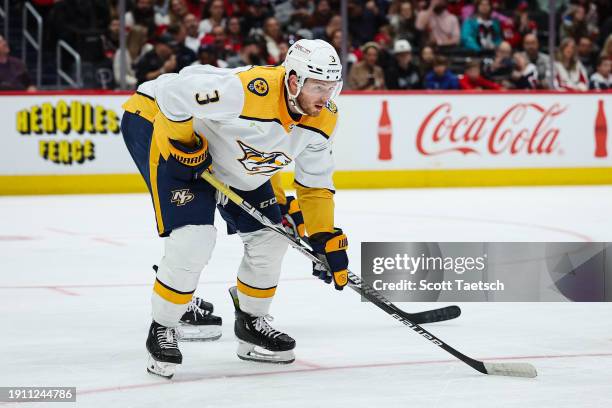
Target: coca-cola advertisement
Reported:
[(454, 131)]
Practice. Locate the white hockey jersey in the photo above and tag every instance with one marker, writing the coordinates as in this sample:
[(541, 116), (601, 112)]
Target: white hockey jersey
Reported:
[(244, 115)]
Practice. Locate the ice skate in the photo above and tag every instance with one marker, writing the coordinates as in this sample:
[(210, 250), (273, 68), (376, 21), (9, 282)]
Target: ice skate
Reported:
[(164, 354), (198, 323), (257, 340)]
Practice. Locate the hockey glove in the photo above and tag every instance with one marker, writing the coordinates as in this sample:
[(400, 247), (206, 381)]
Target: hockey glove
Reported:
[(331, 249), (188, 164), (293, 220)]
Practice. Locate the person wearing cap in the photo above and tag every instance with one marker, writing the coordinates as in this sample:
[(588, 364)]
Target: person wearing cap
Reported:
[(402, 73), (244, 125), (249, 54), (160, 60), (367, 75)]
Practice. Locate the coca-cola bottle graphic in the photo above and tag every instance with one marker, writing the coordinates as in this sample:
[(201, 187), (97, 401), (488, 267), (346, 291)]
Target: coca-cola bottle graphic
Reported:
[(384, 134), (601, 132)]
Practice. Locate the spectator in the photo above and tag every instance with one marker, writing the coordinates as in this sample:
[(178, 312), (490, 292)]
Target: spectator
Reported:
[(441, 77), (323, 13), (525, 74), (586, 54), (481, 32), (184, 55), (256, 13), (575, 24), (110, 39), (499, 68), (569, 72), (367, 74), (531, 46), (216, 13), (403, 23), (144, 15), (606, 50), (426, 60), (13, 72), (207, 55), (402, 73), (135, 44), (234, 33), (178, 12), (158, 61), (441, 27), (365, 18), (249, 54), (601, 80), (193, 37), (334, 24), (273, 36), (521, 26), (471, 78), (218, 39)]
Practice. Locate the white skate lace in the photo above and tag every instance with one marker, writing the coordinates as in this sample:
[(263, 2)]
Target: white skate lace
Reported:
[(166, 337), (197, 310), (262, 325)]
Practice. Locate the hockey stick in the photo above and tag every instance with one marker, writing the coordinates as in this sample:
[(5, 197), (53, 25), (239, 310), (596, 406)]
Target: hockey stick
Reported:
[(506, 369), (427, 316)]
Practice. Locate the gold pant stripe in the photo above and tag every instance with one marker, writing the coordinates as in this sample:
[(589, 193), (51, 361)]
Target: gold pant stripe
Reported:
[(171, 295), (153, 163), (256, 292)]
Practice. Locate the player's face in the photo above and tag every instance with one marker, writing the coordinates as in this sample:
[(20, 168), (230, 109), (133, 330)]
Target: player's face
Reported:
[(315, 94)]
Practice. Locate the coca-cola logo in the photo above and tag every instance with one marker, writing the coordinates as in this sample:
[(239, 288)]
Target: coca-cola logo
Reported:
[(524, 128)]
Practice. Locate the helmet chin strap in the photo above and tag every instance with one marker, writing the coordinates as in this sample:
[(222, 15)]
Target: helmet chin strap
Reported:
[(293, 98)]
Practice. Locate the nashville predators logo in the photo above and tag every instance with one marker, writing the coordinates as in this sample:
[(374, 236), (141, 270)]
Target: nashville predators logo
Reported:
[(259, 87), (256, 162), (331, 106), (181, 197)]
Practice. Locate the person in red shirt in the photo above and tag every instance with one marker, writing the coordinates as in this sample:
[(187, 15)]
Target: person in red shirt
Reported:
[(471, 78)]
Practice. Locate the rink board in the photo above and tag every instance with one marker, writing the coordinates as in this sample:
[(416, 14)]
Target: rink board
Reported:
[(71, 142)]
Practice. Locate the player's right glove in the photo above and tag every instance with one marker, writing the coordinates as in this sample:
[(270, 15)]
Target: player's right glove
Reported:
[(331, 249), (293, 220), (188, 163)]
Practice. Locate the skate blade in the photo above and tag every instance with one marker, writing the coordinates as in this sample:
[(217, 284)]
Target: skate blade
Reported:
[(189, 332), (250, 352), (160, 368)]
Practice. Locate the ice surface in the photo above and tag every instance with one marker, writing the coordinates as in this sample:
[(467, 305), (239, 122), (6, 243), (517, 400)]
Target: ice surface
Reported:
[(76, 280)]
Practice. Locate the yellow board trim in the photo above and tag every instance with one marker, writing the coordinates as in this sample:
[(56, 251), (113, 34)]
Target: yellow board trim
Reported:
[(254, 292), (170, 295), (133, 183)]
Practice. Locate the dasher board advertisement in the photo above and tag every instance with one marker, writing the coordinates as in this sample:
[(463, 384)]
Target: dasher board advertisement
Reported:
[(384, 139), (473, 131)]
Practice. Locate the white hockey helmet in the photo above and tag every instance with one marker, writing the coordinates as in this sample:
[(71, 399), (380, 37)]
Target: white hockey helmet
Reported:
[(314, 59)]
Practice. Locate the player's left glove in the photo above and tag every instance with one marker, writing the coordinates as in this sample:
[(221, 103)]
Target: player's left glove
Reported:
[(331, 249), (186, 163), (293, 220)]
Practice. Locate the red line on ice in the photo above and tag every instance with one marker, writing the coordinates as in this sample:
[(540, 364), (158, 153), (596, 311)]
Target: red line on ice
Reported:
[(318, 369), (61, 290)]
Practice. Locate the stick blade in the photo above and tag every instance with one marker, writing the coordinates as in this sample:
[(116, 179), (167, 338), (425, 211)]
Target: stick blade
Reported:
[(511, 369)]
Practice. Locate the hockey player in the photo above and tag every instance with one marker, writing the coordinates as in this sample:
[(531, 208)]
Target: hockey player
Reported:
[(245, 125)]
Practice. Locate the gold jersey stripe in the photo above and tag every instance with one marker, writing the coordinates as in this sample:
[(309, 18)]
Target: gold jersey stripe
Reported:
[(171, 295), (153, 163), (255, 292)]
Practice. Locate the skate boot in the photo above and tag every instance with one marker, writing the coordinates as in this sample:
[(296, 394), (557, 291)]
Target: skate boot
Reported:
[(257, 340), (164, 354), (198, 323)]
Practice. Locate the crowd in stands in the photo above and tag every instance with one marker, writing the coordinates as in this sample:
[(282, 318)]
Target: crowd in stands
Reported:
[(393, 44)]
